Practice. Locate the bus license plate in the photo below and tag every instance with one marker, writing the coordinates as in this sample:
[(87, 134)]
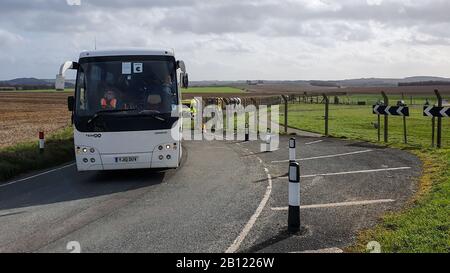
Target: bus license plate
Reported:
[(126, 159)]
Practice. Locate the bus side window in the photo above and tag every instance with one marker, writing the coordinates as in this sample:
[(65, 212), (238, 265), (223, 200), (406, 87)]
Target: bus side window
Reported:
[(82, 93)]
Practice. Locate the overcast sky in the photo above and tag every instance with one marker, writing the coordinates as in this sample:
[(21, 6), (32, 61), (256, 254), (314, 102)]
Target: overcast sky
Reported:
[(235, 39)]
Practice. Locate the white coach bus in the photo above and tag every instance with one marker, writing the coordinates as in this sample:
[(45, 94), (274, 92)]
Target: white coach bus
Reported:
[(126, 110)]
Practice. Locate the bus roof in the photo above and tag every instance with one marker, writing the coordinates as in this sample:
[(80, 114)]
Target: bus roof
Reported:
[(126, 52)]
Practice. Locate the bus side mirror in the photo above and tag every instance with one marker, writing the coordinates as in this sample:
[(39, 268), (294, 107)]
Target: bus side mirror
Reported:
[(60, 80), (182, 66), (59, 83), (71, 103), (185, 81)]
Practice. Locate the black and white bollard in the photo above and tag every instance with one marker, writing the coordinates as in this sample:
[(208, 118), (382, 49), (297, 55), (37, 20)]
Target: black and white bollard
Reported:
[(41, 142), (247, 132), (294, 197), (292, 144), (268, 141)]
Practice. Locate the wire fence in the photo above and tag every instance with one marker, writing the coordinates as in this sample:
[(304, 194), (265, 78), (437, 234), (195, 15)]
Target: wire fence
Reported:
[(351, 116), (354, 118)]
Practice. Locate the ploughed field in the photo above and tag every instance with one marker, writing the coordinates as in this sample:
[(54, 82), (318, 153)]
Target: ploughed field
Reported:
[(24, 114)]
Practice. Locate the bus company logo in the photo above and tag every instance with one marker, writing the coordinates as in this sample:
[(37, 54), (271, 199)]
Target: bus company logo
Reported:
[(94, 135)]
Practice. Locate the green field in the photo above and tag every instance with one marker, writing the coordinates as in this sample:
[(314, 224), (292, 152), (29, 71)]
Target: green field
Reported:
[(212, 90), (424, 226), (358, 122)]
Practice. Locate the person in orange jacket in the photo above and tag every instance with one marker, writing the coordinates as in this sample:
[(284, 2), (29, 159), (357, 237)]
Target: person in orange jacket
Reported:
[(109, 101)]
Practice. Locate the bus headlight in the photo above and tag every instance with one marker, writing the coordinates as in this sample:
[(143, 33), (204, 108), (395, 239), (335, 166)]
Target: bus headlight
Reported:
[(85, 150), (168, 147)]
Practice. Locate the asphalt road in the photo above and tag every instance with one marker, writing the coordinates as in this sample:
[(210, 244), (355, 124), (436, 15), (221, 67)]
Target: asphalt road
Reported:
[(227, 196)]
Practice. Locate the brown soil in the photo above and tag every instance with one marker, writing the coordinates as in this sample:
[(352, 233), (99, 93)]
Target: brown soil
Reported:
[(24, 114)]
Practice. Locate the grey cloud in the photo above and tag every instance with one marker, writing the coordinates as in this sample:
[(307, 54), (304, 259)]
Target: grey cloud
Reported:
[(8, 39), (221, 27), (275, 18)]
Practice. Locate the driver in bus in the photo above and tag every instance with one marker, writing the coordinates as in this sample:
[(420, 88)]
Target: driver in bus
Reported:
[(109, 100), (160, 98)]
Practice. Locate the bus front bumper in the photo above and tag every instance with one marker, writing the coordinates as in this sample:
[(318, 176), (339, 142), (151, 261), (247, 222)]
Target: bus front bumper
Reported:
[(98, 162)]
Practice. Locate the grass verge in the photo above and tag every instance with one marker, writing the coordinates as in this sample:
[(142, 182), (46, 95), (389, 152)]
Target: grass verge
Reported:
[(25, 157), (423, 226)]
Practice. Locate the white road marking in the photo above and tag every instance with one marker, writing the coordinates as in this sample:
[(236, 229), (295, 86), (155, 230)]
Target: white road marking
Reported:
[(343, 204), (280, 208), (326, 156), (237, 243), (37, 175), (355, 172), (314, 142), (325, 250)]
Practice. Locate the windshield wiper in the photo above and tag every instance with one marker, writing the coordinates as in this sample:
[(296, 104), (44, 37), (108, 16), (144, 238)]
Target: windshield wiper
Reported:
[(103, 112), (153, 114)]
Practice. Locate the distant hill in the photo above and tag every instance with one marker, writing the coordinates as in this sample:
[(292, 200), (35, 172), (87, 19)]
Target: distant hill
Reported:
[(70, 83), (381, 82), (425, 79), (363, 82), (33, 83), (425, 83), (25, 81)]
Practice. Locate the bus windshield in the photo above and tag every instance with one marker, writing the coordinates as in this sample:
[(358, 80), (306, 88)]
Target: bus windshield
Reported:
[(138, 86)]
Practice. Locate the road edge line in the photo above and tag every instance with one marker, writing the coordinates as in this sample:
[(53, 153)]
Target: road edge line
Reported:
[(247, 228), (37, 175)]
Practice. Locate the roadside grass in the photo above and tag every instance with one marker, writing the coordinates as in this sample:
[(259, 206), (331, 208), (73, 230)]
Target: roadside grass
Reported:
[(424, 225), (25, 157), (212, 90)]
